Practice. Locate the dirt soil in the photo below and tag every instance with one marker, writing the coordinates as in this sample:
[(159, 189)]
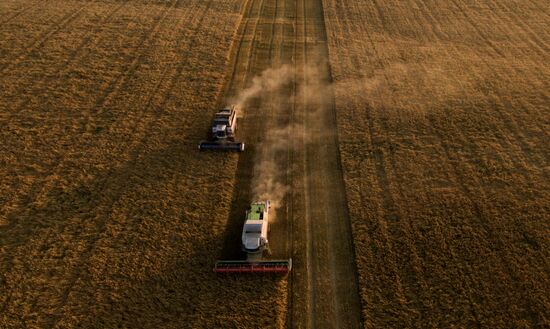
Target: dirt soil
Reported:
[(282, 78)]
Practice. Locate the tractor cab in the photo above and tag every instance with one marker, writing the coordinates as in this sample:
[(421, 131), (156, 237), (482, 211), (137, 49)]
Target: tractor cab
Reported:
[(222, 134), (254, 242), (254, 237)]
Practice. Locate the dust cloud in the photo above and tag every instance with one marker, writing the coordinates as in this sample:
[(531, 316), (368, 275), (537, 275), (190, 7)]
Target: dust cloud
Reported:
[(275, 87), (400, 91), (271, 80)]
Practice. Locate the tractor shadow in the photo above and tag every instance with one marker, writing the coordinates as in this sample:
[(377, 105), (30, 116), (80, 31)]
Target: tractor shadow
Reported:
[(242, 197)]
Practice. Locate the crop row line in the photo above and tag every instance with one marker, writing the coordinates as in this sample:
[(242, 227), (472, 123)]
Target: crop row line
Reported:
[(121, 181)]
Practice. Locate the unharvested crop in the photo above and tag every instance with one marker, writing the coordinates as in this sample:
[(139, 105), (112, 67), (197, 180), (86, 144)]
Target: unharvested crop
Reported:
[(109, 215), (443, 120)]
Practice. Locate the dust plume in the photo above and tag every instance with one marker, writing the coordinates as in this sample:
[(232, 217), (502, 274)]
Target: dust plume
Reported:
[(400, 91), (273, 85), (270, 80)]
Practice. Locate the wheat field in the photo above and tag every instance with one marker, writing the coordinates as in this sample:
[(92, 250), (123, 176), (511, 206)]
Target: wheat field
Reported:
[(443, 119), (106, 221), (110, 217)]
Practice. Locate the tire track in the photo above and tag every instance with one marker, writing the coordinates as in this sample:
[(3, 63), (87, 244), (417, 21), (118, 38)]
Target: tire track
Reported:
[(392, 211), (505, 144), (120, 82), (40, 188), (471, 21), (97, 201), (470, 288), (133, 158), (291, 181), (310, 292), (481, 192), (524, 25), (388, 202), (468, 193), (268, 39), (66, 65), (393, 214), (37, 43), (250, 62), (517, 23), (18, 13), (87, 40), (482, 220), (457, 54), (236, 50), (234, 86), (516, 156), (510, 125), (336, 298), (540, 8)]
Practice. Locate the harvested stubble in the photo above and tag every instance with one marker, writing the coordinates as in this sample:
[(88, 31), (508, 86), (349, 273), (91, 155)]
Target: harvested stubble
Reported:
[(443, 112), (109, 216)]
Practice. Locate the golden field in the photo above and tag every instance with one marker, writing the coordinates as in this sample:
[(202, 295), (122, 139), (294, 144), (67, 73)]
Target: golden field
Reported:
[(443, 119), (409, 140), (106, 219)]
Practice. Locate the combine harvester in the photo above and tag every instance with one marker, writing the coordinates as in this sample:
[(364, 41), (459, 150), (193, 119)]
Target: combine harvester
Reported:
[(223, 130), (254, 243)]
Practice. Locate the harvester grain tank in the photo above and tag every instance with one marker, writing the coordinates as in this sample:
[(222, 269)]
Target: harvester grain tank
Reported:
[(222, 134), (254, 242)]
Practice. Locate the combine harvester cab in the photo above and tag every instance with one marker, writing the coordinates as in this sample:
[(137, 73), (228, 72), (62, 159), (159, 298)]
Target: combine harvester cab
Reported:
[(222, 135), (254, 242)]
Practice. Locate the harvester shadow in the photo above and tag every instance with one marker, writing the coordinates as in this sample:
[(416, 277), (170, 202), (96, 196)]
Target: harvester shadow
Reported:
[(179, 284), (242, 194), (185, 293)]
